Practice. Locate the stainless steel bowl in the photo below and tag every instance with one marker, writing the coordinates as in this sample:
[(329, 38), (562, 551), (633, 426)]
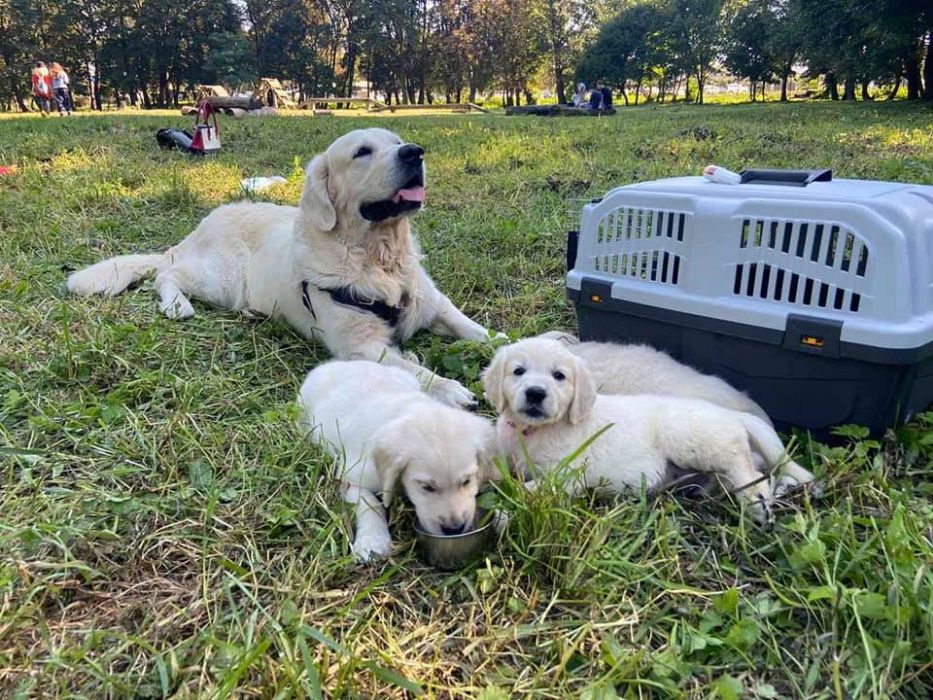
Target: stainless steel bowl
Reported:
[(450, 552)]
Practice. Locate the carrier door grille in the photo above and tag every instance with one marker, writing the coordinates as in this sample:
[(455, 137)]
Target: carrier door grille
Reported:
[(816, 264), (641, 243)]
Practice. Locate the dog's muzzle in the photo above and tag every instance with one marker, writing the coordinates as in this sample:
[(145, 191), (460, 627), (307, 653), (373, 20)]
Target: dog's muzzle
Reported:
[(409, 197)]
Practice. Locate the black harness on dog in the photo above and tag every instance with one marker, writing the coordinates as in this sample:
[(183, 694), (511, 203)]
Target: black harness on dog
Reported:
[(347, 297)]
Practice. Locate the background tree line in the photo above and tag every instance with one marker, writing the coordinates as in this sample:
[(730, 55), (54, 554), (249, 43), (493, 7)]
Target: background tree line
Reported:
[(848, 44), (149, 52)]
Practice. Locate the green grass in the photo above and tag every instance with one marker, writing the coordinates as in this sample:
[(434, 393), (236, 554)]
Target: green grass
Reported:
[(165, 532)]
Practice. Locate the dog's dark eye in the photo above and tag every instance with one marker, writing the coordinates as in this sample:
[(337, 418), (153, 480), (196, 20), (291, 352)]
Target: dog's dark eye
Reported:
[(466, 482), (430, 488), (518, 371), (558, 375), (363, 152)]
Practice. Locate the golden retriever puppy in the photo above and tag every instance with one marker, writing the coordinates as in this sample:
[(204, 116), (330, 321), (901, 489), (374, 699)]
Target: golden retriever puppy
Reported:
[(387, 435), (547, 399), (342, 267), (628, 368)]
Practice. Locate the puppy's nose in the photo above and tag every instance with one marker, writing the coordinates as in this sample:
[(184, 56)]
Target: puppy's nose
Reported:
[(454, 529), (535, 394), (411, 153)]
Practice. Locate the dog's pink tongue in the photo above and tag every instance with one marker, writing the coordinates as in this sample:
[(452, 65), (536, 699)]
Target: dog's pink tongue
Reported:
[(409, 194)]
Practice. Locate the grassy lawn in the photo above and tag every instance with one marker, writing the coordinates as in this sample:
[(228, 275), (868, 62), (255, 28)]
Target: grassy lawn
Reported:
[(164, 531)]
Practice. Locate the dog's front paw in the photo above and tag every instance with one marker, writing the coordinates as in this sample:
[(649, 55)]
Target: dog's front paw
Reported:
[(178, 309), (453, 393), (369, 546)]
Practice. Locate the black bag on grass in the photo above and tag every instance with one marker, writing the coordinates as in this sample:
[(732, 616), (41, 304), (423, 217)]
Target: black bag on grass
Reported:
[(174, 138)]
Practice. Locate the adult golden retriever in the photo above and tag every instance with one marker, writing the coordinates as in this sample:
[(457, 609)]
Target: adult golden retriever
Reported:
[(342, 267)]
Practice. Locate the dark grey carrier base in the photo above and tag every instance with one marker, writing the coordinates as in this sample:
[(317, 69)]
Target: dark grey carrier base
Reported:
[(798, 384)]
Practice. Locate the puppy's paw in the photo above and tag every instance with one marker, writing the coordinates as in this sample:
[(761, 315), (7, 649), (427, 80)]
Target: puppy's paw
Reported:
[(786, 484), (454, 393), (500, 521), (791, 477), (761, 510), (178, 309), (370, 546)]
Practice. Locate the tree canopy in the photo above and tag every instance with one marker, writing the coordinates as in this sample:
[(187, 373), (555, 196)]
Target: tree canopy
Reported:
[(150, 52)]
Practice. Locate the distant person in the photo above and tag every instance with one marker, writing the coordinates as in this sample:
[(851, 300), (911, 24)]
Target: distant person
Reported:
[(61, 89), (579, 97), (42, 87), (597, 96), (607, 97)]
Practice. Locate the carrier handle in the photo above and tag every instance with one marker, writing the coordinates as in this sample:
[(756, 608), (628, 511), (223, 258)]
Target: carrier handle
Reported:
[(789, 178), (206, 111)]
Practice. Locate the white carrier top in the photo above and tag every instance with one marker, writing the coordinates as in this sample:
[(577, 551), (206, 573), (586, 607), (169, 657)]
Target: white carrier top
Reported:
[(855, 251)]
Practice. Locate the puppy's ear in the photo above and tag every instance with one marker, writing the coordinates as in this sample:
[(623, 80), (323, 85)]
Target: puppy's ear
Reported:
[(584, 393), (389, 457), (493, 377), (315, 199)]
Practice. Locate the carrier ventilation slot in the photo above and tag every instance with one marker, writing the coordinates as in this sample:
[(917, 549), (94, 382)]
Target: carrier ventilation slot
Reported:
[(633, 224), (653, 265), (822, 242), (764, 281), (635, 242)]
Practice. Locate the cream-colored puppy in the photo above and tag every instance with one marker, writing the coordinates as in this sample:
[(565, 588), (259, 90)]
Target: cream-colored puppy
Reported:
[(624, 368), (342, 267), (387, 435), (546, 395)]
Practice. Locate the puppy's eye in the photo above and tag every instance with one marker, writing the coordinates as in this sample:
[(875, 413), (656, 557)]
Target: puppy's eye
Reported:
[(362, 152), (518, 371), (466, 482), (558, 375), (430, 488)]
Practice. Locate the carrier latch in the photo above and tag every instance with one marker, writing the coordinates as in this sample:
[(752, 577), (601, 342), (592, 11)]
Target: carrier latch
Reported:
[(816, 336)]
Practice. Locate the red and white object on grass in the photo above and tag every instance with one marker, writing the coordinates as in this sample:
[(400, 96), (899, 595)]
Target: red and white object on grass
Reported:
[(206, 134)]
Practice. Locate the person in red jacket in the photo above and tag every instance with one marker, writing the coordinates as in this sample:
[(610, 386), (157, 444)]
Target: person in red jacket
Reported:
[(42, 87)]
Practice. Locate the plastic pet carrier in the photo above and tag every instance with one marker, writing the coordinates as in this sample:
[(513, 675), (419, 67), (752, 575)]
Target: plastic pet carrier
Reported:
[(813, 295)]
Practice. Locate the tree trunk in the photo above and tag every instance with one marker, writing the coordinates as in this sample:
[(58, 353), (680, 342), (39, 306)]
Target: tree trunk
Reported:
[(831, 86), (637, 92), (17, 95), (700, 86), (865, 94), (624, 95), (897, 86), (928, 70), (472, 92), (912, 74), (849, 89), (784, 79)]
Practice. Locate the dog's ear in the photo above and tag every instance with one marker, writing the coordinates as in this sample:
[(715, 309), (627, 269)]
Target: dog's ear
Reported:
[(389, 458), (493, 377), (584, 393), (315, 199)]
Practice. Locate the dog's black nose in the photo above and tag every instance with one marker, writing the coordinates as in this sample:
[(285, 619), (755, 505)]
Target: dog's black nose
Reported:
[(453, 530), (411, 153), (535, 394)]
